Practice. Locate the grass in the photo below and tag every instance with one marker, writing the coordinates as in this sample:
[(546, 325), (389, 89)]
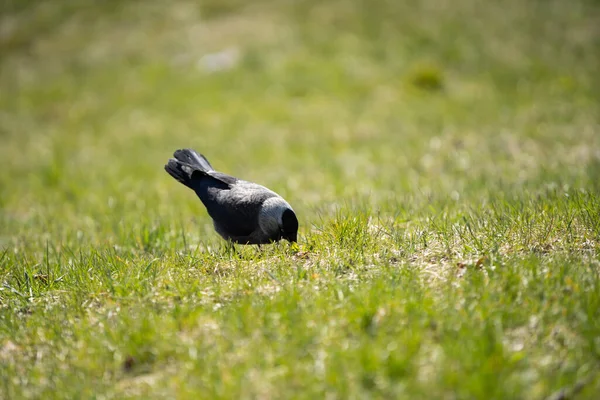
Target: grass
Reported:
[(443, 158)]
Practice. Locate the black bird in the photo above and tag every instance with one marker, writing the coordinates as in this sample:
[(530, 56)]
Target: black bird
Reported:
[(243, 212)]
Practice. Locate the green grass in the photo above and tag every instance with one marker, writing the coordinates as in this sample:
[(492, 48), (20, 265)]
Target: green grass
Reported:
[(443, 158)]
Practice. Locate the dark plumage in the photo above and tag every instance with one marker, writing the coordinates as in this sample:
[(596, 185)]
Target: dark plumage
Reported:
[(242, 212)]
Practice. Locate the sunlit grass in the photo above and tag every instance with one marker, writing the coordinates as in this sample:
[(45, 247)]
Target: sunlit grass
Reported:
[(443, 159)]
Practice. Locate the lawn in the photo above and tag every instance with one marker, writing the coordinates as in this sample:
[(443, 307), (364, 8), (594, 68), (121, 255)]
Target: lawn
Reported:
[(443, 158)]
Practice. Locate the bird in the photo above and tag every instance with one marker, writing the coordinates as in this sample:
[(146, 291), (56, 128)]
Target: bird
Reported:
[(243, 212)]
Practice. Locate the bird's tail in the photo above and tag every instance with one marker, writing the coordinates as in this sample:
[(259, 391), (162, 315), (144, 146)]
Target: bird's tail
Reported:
[(194, 159), (185, 163)]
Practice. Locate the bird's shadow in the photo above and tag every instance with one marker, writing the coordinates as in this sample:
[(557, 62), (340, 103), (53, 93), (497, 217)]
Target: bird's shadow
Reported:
[(231, 251)]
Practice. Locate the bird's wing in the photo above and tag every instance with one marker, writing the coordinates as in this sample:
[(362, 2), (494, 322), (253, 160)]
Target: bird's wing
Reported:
[(217, 178), (236, 208)]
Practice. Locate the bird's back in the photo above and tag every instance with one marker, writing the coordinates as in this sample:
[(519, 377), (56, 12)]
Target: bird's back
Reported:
[(233, 207)]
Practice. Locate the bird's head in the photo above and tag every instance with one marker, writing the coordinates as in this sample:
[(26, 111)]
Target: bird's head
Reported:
[(289, 226), (278, 220)]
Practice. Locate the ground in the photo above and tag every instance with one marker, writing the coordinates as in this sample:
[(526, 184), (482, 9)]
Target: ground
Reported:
[(443, 159)]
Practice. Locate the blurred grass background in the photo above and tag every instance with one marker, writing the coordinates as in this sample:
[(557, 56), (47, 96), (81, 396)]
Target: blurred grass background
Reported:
[(436, 117), (418, 99)]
